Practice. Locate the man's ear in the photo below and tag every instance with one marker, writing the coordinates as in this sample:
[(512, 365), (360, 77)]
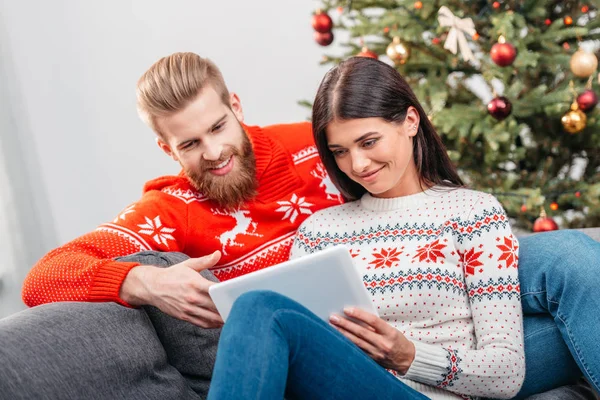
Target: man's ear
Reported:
[(236, 106), (166, 148)]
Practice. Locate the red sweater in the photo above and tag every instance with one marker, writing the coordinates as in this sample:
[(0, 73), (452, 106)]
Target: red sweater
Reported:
[(173, 216)]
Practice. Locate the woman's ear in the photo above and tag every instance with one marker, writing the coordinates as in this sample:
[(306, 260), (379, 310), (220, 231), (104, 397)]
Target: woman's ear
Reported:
[(412, 120)]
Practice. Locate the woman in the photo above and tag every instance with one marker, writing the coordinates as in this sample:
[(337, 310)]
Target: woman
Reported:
[(439, 260)]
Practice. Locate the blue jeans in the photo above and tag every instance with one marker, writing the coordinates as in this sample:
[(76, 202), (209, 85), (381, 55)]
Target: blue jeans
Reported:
[(272, 346), (560, 293)]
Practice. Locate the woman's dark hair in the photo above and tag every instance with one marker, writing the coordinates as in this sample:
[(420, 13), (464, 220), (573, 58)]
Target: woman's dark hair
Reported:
[(363, 87)]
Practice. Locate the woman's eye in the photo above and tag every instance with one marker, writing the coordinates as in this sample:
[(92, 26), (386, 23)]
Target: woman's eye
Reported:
[(338, 153), (369, 143)]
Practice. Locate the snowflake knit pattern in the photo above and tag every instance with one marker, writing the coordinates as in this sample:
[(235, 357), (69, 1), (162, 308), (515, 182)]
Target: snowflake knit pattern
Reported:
[(441, 266), (173, 216)]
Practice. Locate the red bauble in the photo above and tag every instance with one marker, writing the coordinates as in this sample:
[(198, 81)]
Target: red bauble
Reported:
[(324, 39), (587, 100), (321, 22), (365, 52), (503, 54), (544, 224), (499, 108)]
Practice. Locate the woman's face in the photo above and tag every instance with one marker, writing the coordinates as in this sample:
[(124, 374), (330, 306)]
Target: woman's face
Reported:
[(377, 154)]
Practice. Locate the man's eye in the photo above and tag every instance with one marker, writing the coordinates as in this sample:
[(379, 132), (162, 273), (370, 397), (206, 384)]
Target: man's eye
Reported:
[(189, 145), (218, 127)]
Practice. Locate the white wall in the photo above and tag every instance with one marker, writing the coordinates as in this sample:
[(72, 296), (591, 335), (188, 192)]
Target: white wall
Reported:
[(77, 62), (72, 67)]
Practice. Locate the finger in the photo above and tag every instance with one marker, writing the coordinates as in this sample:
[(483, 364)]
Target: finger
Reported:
[(201, 263), (363, 344), (205, 315), (356, 329), (205, 324), (371, 320), (207, 303)]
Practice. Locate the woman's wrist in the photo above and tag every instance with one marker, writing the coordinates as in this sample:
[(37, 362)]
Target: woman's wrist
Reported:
[(406, 359)]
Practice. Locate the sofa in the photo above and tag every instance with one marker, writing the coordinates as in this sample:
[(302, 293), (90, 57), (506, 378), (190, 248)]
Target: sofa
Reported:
[(75, 351)]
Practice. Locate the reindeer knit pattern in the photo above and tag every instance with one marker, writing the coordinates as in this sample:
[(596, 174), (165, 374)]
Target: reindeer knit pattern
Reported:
[(441, 267), (173, 216)]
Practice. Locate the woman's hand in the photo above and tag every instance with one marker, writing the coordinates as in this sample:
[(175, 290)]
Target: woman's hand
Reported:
[(381, 341)]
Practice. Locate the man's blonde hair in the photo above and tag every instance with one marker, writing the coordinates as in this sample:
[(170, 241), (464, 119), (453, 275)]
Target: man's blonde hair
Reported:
[(173, 82)]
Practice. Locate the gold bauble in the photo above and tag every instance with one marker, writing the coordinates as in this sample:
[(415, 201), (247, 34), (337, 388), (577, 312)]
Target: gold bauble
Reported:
[(583, 64), (397, 51), (575, 120)]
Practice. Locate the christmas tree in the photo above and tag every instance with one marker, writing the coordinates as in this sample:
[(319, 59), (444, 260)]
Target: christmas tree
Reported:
[(510, 86)]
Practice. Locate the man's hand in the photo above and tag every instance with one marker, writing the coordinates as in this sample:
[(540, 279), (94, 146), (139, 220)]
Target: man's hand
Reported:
[(179, 291), (381, 341)]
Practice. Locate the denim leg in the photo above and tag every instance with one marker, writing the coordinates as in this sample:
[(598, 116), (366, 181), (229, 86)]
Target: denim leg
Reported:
[(542, 334), (190, 349), (271, 346), (560, 275)]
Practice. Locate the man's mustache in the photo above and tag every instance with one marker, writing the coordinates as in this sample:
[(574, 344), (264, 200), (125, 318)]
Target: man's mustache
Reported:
[(206, 165)]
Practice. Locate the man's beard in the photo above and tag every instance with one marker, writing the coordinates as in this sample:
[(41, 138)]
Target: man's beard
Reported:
[(236, 187)]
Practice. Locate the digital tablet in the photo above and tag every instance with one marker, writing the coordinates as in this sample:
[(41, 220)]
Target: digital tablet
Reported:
[(324, 282)]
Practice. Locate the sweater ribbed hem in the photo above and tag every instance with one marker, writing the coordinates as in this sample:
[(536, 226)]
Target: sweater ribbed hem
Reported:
[(282, 177), (430, 364), (412, 201), (108, 281)]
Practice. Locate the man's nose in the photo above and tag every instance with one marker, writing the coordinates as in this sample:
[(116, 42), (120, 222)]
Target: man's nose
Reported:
[(212, 152)]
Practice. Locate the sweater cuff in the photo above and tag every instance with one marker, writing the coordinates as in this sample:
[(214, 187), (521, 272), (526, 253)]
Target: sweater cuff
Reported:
[(431, 364), (108, 281)]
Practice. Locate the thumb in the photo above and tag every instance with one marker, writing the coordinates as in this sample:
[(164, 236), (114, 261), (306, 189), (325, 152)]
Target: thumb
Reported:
[(201, 263)]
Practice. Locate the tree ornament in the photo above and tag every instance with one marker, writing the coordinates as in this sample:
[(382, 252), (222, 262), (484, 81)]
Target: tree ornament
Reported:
[(324, 39), (496, 5), (456, 35), (578, 194), (397, 51), (568, 20), (321, 22), (502, 53), (554, 206), (585, 9), (365, 52), (574, 121), (523, 208), (499, 108), (418, 5), (587, 100), (583, 64), (548, 22), (544, 223)]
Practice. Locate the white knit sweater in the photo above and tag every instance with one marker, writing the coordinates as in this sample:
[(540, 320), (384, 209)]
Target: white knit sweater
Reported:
[(441, 266)]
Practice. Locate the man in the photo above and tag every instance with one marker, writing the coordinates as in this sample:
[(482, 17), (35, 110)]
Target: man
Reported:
[(241, 188), (234, 209)]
